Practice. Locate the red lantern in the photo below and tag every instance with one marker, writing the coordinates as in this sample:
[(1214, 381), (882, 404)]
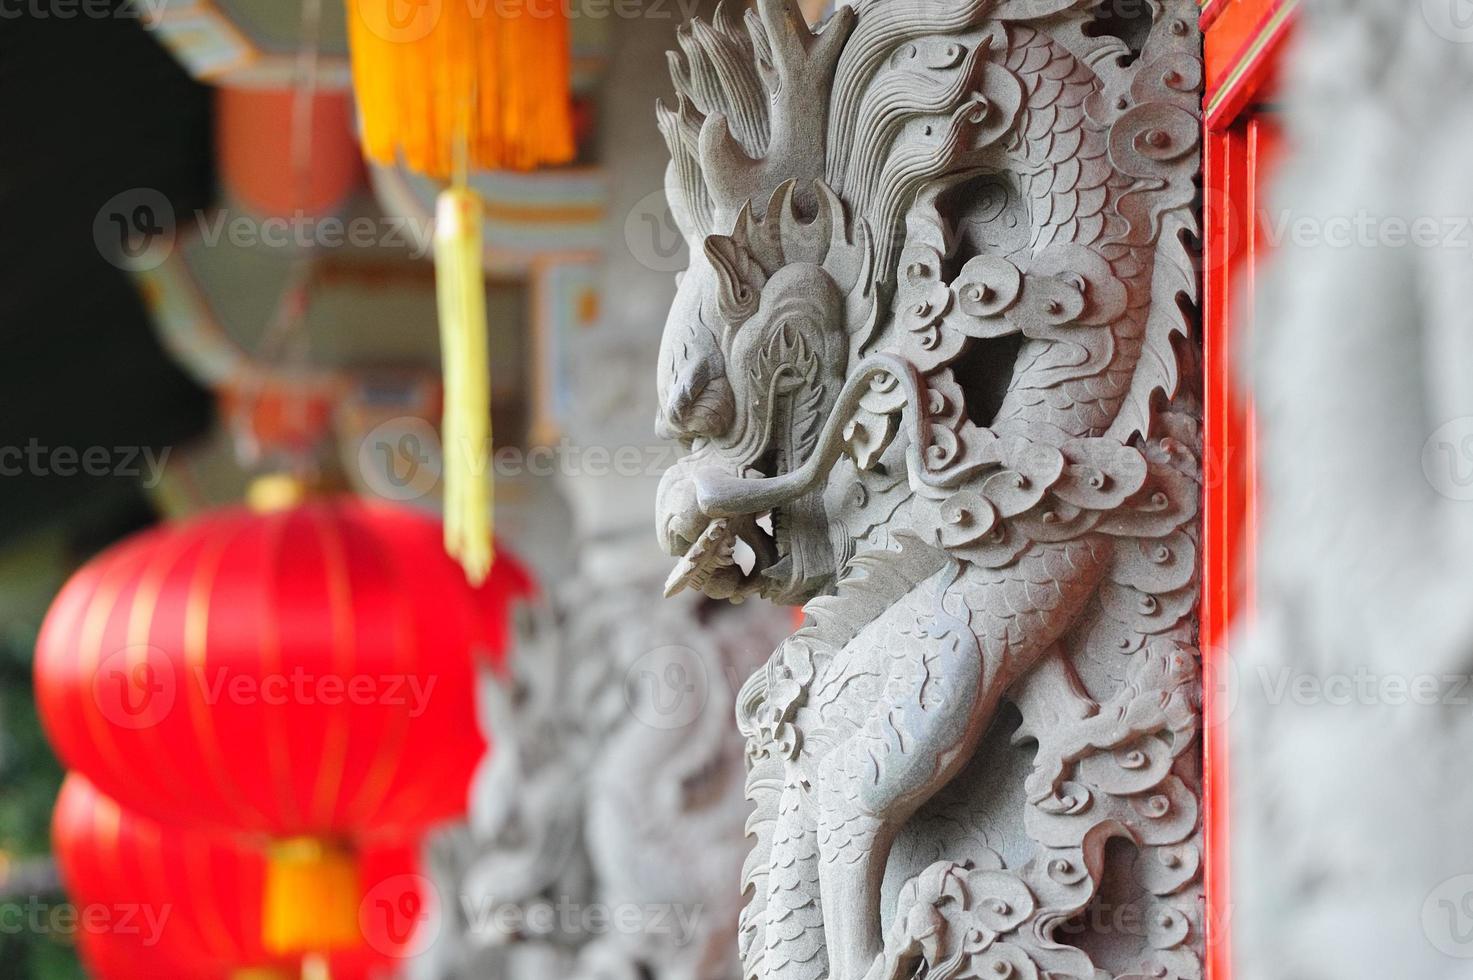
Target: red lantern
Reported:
[(155, 901), (254, 140), (303, 674)]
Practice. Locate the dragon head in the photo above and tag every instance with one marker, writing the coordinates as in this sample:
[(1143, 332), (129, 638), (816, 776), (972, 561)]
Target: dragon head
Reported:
[(754, 354), (759, 360)]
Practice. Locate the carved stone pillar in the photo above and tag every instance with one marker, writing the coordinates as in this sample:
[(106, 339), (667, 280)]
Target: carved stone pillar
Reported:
[(924, 364)]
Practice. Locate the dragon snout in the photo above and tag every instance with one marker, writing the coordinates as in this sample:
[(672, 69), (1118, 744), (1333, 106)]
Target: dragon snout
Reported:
[(699, 401), (678, 517), (708, 548)]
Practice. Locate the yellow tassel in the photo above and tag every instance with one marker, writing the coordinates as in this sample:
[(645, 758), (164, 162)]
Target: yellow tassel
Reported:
[(311, 898), (450, 86), (466, 427), (413, 64)]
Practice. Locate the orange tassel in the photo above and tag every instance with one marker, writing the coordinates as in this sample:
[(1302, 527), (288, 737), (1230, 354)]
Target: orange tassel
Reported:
[(503, 65)]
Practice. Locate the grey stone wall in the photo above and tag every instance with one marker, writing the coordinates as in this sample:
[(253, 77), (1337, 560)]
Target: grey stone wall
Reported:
[(1353, 719)]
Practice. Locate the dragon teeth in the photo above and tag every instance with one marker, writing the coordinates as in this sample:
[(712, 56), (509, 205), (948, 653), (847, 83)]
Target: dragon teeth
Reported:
[(710, 553)]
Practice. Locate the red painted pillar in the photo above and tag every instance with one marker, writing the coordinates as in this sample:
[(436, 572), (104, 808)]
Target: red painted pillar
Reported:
[(1243, 42)]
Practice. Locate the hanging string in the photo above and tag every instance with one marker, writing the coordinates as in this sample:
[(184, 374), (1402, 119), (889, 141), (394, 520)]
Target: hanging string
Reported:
[(304, 99), (284, 342)]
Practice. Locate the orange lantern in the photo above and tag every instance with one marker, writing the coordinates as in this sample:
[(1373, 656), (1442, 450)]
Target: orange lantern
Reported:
[(156, 901), (303, 674)]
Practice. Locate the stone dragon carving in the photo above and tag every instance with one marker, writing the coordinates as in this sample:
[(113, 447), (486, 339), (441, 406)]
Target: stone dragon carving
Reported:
[(924, 363), (609, 789)]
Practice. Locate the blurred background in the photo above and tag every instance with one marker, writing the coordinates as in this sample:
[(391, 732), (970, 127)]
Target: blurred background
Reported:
[(95, 371), (221, 314)]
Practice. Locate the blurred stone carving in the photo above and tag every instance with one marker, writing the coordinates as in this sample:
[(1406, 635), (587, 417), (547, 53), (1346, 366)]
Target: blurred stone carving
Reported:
[(606, 825), (922, 364), (1352, 857)]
